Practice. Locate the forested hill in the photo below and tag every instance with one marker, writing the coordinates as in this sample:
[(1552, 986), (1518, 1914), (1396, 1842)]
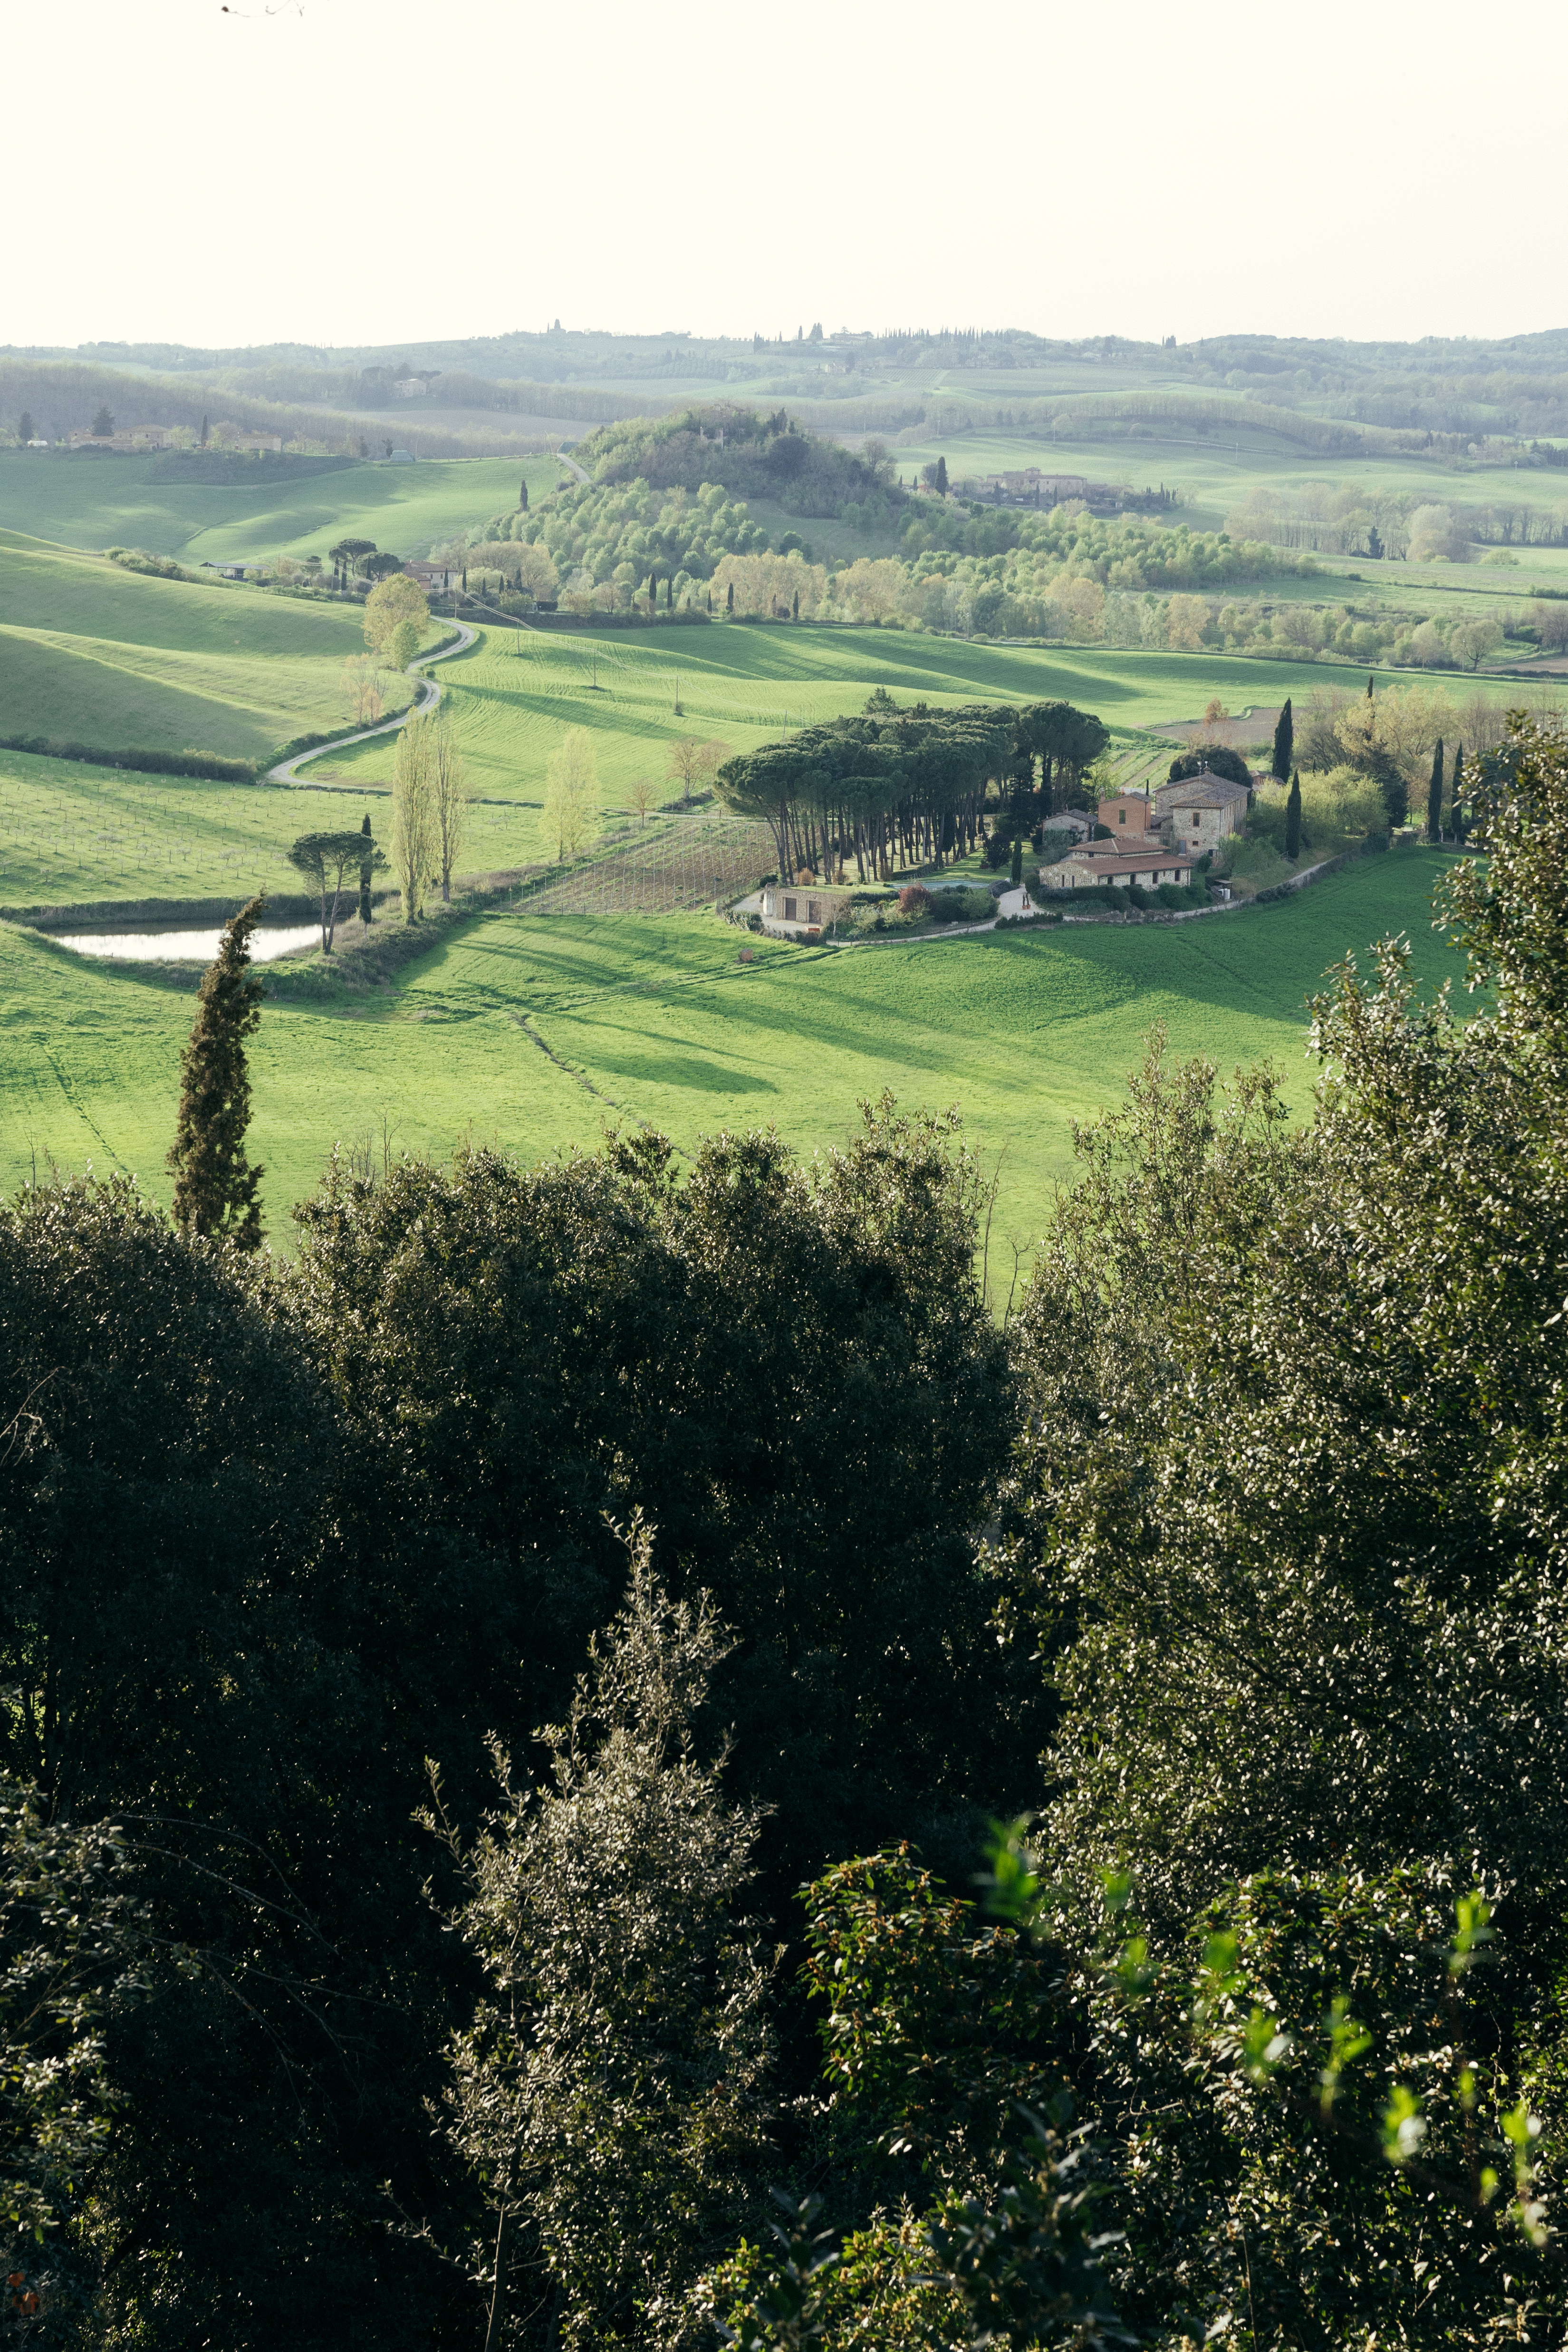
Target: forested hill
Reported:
[(750, 455)]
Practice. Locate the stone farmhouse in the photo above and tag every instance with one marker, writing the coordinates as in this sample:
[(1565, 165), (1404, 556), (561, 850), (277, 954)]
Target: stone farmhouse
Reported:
[(1202, 810), (1144, 860)]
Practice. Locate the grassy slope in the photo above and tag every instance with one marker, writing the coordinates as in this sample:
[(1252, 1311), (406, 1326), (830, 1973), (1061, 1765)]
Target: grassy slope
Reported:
[(658, 1021), (111, 501), (93, 654), (71, 834)]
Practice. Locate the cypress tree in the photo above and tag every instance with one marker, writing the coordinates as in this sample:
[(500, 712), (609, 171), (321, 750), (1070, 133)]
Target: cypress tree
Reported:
[(730, 598), (1293, 814), (522, 498), (794, 609), (365, 872), (1369, 685), (1284, 744), (215, 1191), (941, 477), (204, 433), (1017, 863), (1434, 796), (1457, 795)]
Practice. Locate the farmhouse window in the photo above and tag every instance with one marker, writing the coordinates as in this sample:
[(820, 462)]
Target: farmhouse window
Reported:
[(790, 905)]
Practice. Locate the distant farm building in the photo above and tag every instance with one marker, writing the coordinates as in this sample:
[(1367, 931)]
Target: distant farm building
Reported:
[(260, 444), (798, 909)]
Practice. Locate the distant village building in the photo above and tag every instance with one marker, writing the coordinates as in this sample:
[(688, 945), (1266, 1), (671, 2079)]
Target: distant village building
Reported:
[(1031, 488), (260, 444), (434, 578), (136, 438), (414, 386), (397, 458)]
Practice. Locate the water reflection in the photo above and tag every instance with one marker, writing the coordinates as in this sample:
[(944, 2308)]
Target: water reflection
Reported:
[(191, 947)]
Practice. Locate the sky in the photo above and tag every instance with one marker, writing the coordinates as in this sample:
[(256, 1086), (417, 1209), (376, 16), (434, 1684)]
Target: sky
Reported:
[(340, 171)]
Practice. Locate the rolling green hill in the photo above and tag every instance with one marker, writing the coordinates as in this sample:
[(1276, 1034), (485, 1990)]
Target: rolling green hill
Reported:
[(92, 654), (108, 501), (531, 1031)]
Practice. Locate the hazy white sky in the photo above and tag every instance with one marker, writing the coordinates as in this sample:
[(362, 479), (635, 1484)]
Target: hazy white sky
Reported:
[(348, 171)]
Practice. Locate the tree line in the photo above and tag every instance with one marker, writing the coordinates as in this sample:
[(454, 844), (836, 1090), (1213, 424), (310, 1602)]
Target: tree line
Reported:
[(908, 786), (606, 1756)]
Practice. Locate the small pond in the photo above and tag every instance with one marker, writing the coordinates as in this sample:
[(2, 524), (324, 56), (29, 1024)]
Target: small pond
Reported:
[(187, 946)]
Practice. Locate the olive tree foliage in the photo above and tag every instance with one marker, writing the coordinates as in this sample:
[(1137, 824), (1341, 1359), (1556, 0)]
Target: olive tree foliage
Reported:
[(611, 2090), (788, 1367), (1289, 1525), (74, 1935)]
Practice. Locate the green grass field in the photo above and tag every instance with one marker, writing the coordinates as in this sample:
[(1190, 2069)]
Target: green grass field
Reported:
[(72, 834), (92, 654), (119, 501), (655, 1019)]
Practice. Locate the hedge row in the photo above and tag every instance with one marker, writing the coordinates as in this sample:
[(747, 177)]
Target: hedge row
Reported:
[(211, 764)]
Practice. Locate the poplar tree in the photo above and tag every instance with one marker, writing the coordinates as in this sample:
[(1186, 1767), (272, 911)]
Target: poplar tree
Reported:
[(1293, 813), (215, 1189), (1284, 744), (1434, 796)]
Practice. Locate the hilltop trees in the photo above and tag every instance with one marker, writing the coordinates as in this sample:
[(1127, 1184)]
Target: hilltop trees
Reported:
[(215, 1188)]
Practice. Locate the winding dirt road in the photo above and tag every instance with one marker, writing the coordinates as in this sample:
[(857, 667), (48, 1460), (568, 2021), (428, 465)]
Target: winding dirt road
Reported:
[(429, 695)]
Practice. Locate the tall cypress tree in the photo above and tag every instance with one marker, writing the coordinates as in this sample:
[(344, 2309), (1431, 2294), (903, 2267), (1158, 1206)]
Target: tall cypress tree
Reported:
[(215, 1190), (730, 598), (522, 498), (1434, 796), (941, 477), (366, 914), (1293, 814), (1284, 744), (1457, 795)]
